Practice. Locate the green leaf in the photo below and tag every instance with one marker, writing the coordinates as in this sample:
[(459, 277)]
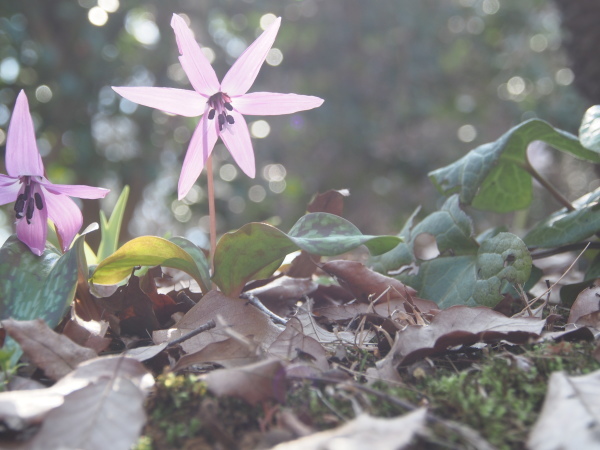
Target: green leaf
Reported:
[(476, 279), (255, 250), (33, 287), (111, 228), (493, 176), (199, 258), (567, 227), (144, 251), (589, 131)]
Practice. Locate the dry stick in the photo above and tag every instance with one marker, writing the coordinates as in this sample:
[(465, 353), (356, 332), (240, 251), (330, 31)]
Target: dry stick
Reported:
[(211, 212), (202, 328), (258, 304), (546, 184)]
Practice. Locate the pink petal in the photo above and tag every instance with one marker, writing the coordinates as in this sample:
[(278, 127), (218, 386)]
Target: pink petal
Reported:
[(194, 63), (9, 189), (175, 101), (65, 214), (271, 103), (201, 145), (237, 140), (244, 71), (33, 234), (75, 190), (22, 155)]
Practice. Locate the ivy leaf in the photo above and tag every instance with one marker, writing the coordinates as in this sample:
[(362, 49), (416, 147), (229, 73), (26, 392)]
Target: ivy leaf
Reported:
[(110, 229), (37, 287), (566, 227), (493, 176), (256, 250), (145, 251), (589, 131)]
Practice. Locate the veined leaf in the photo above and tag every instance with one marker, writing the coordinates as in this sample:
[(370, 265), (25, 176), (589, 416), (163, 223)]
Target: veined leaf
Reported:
[(493, 176), (111, 228), (198, 256), (254, 250), (144, 251)]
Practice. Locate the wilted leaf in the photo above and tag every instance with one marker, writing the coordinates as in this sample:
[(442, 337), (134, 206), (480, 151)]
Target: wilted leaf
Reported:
[(90, 334), (570, 417), (293, 344), (257, 249), (493, 177), (586, 308), (230, 314), (460, 325), (54, 353), (589, 131), (228, 353), (254, 383), (144, 251), (566, 227), (33, 287), (365, 432)]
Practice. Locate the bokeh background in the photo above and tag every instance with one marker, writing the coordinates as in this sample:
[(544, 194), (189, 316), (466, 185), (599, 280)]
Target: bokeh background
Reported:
[(408, 87)]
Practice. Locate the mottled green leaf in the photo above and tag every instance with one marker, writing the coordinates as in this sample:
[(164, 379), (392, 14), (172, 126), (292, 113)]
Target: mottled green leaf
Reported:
[(33, 287), (199, 258), (566, 227), (476, 279), (144, 251), (493, 176), (589, 131), (255, 250), (111, 228)]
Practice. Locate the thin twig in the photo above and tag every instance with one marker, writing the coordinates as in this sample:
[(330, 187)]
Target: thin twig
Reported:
[(258, 304), (565, 248), (546, 184), (202, 328)]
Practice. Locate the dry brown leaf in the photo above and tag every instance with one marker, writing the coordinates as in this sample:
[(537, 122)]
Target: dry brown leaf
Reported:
[(229, 353), (292, 344), (459, 325), (384, 307), (236, 314), (145, 353), (254, 383), (88, 334), (365, 284), (585, 306), (55, 354), (570, 417), (364, 432)]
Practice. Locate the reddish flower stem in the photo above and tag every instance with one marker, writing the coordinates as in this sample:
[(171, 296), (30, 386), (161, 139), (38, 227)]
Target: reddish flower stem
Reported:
[(211, 212)]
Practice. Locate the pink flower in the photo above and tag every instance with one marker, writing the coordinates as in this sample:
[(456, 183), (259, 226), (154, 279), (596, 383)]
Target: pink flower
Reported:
[(222, 105), (37, 199)]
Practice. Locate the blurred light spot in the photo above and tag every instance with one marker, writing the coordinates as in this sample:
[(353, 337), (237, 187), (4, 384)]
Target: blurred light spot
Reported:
[(109, 6), (274, 57), (106, 96), (2, 136), (475, 25), (538, 43), (544, 85), (228, 172), (44, 146), (490, 6), (86, 3), (110, 52), (176, 73), (277, 187), (576, 181), (467, 3), (381, 185), (127, 107), (516, 85), (209, 53), (260, 129), (267, 20), (4, 114), (236, 204), (29, 55), (274, 172), (182, 134), (97, 16), (9, 70), (198, 237), (182, 212), (142, 27), (456, 24), (159, 117), (235, 47), (465, 103), (43, 94), (195, 195), (467, 133), (257, 193), (564, 76)]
